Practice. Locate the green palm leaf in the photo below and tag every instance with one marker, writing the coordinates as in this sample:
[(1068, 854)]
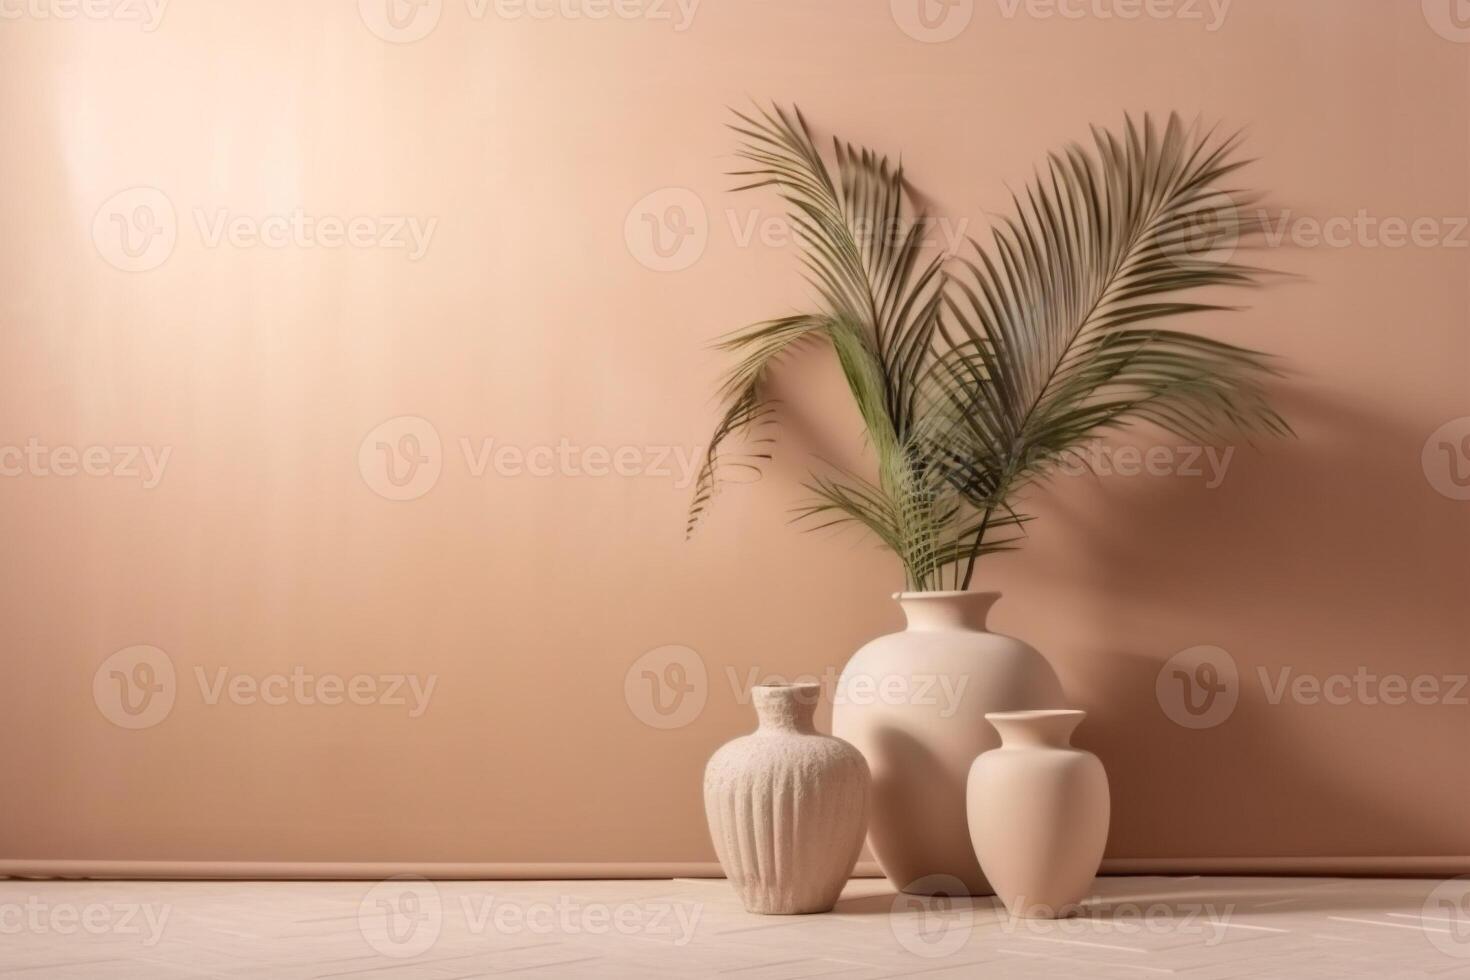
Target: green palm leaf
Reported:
[(881, 294), (972, 384), (1049, 336)]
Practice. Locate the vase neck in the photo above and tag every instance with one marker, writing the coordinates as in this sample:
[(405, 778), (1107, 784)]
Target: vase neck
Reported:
[(1036, 729), (786, 708), (946, 610)]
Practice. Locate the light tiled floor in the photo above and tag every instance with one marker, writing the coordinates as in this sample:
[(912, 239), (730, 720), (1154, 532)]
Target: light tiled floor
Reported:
[(1198, 928)]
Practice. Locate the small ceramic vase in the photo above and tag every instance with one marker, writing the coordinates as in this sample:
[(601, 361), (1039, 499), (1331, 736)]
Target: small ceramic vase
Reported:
[(1038, 812), (787, 806)]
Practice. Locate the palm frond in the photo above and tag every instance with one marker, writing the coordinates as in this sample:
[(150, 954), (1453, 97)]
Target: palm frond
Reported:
[(881, 293), (747, 408), (974, 377), (1049, 334)]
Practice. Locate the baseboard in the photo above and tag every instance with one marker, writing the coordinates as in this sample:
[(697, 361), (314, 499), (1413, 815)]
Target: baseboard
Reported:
[(1380, 867), (1387, 867), (359, 870)]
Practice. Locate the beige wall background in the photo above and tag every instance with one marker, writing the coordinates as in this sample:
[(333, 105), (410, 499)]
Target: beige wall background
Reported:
[(546, 151)]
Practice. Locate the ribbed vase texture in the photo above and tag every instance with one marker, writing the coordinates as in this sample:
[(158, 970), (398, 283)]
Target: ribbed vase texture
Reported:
[(787, 807)]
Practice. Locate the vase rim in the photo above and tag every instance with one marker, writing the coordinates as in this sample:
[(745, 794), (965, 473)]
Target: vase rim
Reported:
[(809, 686), (1035, 714), (943, 594)]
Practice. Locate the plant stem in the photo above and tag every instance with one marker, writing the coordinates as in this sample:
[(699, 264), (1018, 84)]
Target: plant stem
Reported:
[(975, 548)]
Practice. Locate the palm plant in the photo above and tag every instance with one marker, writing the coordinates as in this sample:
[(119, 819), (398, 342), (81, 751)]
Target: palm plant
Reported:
[(976, 375)]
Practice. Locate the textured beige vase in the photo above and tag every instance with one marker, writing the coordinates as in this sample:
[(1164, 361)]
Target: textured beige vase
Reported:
[(1039, 813), (787, 806), (914, 703)]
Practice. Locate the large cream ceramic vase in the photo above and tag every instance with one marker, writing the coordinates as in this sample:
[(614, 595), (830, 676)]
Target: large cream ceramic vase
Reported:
[(1039, 812), (914, 703), (787, 806)]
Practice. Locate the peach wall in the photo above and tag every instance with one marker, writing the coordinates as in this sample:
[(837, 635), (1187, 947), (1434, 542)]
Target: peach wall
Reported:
[(526, 151)]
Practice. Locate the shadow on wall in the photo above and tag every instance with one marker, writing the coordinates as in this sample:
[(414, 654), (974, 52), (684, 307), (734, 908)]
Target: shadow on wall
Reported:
[(1329, 557)]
